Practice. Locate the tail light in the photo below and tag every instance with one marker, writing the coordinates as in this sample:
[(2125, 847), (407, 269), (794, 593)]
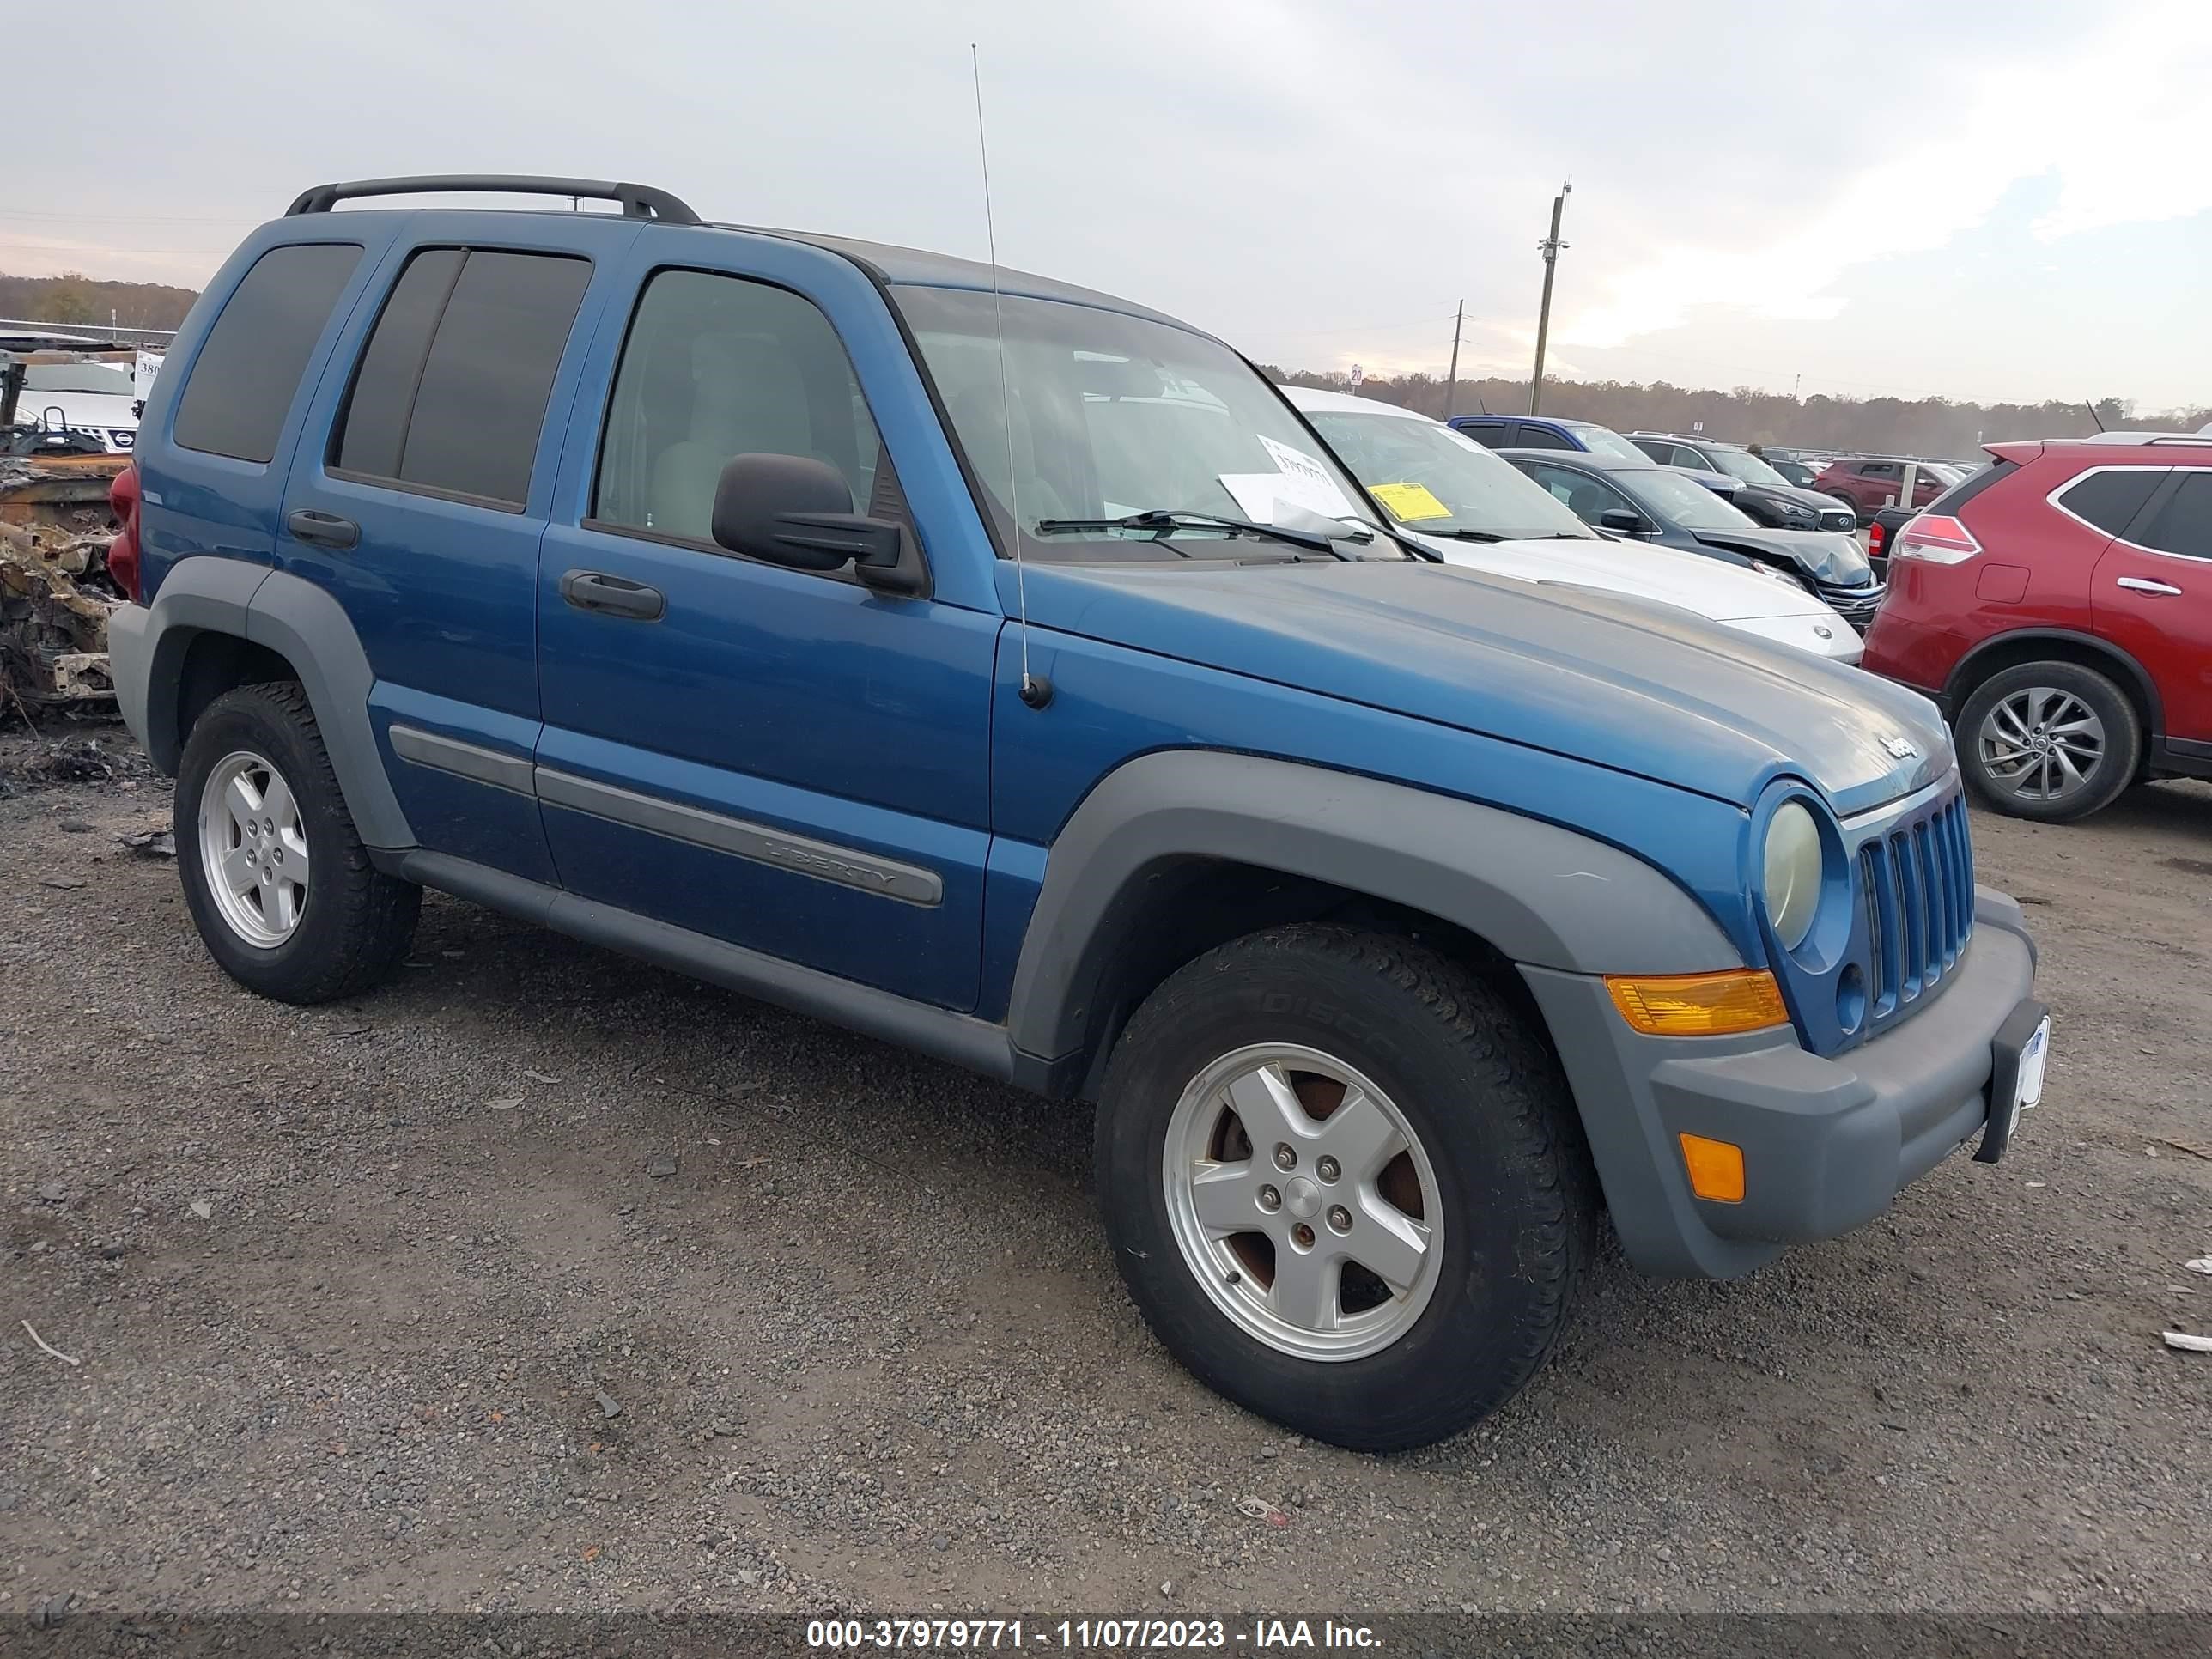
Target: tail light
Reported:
[(1877, 533), (1936, 538), (123, 552)]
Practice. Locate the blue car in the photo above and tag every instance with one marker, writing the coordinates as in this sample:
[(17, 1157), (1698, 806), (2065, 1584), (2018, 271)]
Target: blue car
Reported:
[(1582, 437), (1006, 671)]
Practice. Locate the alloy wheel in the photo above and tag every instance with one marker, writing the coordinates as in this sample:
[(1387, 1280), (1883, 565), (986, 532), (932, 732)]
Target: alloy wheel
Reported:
[(253, 850), (1304, 1203)]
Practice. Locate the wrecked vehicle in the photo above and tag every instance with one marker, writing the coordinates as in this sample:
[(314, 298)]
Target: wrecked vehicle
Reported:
[(56, 595)]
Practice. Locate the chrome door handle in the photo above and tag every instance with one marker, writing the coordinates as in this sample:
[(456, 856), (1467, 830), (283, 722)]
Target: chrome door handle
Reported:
[(2144, 584)]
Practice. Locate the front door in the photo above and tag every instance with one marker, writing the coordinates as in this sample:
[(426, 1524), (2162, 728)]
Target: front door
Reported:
[(789, 762), (2152, 597)]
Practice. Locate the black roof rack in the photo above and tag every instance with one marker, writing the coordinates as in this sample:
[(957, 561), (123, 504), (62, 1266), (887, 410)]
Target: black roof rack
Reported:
[(638, 201)]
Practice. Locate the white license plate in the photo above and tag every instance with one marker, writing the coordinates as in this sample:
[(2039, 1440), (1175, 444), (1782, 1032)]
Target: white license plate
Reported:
[(2033, 1056)]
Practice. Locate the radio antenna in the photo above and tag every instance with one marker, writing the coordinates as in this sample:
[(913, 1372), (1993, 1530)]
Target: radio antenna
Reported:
[(1036, 691)]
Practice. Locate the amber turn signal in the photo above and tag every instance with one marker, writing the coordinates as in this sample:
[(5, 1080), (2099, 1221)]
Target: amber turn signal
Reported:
[(1716, 1168), (1699, 1005)]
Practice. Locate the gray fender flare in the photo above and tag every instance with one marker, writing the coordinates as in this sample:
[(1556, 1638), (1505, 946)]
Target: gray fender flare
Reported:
[(309, 629), (1543, 895)]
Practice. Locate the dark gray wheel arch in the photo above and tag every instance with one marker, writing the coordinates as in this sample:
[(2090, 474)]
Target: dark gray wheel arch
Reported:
[(309, 629), (1541, 895)]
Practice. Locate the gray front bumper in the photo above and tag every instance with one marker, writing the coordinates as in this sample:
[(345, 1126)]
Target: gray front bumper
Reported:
[(1827, 1144)]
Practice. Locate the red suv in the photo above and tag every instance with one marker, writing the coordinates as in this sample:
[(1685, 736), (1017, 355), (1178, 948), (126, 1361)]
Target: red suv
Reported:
[(2058, 605), (1869, 483)]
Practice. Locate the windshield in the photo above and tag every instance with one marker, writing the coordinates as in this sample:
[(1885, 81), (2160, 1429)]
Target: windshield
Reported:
[(1430, 478), (1604, 440), (1115, 415), (1742, 463), (1680, 498), (77, 377)]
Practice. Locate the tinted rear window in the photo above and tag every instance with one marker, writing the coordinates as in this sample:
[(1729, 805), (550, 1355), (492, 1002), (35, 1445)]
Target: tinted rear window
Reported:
[(241, 384), (2111, 499), (374, 425), (452, 391)]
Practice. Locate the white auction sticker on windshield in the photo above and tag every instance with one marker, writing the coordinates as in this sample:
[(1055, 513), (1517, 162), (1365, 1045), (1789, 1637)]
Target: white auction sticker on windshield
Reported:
[(1302, 481), (1310, 484)]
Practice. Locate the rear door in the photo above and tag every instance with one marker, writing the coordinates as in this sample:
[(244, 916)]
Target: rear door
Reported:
[(422, 499), (2152, 597), (1534, 436), (787, 760)]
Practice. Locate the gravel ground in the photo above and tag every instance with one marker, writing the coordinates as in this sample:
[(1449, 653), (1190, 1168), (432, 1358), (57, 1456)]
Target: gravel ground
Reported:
[(542, 1280)]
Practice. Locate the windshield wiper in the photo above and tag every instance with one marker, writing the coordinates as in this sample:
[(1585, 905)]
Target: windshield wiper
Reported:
[(1467, 535), (1166, 523)]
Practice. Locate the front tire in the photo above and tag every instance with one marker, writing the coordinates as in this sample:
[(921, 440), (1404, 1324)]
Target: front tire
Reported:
[(1344, 1182), (2050, 741), (275, 874)]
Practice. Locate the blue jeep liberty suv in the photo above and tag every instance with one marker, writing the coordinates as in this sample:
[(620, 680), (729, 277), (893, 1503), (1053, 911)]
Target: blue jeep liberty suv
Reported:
[(1006, 671)]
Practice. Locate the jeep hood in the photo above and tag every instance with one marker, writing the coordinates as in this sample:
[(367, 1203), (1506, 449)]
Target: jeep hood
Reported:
[(1827, 555), (1658, 693)]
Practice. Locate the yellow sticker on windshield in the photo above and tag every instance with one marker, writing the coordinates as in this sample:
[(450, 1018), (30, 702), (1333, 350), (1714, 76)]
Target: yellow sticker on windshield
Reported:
[(1409, 502)]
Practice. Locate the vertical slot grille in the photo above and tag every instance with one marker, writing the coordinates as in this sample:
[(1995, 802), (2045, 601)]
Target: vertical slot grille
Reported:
[(1918, 883)]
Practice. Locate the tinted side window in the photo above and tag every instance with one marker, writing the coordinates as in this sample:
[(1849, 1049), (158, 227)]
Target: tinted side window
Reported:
[(242, 382), (1491, 435), (1587, 498), (717, 367), (2110, 500), (1881, 470), (2183, 524), (1657, 451), (451, 394), (1541, 437), (375, 426)]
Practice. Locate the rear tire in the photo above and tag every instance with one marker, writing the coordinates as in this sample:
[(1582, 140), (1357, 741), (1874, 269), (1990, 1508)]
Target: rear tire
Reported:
[(1446, 1258), (2048, 741), (275, 874)]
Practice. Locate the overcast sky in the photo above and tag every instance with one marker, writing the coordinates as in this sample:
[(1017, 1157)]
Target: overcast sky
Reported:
[(1973, 198)]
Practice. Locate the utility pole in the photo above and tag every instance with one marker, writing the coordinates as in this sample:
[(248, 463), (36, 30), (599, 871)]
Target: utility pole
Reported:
[(1549, 248), (1451, 381)]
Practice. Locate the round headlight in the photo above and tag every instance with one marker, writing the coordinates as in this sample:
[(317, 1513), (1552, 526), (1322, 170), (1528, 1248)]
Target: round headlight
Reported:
[(1793, 873)]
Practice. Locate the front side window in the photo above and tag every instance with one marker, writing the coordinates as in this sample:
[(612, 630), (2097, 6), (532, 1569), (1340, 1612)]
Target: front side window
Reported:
[(1674, 499), (451, 393), (1113, 416), (1430, 478), (2183, 524), (1587, 498), (716, 367), (241, 384)]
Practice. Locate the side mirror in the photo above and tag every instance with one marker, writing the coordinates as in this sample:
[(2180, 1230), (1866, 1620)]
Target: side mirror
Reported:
[(1624, 520), (797, 512)]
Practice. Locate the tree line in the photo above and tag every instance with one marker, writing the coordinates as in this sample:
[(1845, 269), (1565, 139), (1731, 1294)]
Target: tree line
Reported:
[(75, 299), (1929, 425)]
